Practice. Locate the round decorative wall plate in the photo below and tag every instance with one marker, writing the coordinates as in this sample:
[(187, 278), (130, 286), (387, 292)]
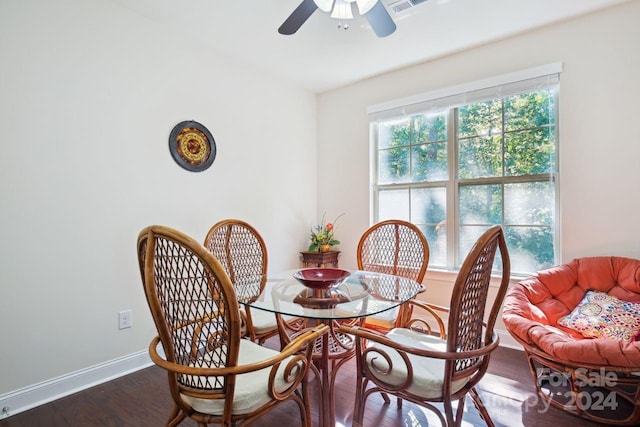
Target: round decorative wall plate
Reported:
[(192, 146)]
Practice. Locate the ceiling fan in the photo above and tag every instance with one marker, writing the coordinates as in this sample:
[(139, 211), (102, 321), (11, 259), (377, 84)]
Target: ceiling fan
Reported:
[(373, 10)]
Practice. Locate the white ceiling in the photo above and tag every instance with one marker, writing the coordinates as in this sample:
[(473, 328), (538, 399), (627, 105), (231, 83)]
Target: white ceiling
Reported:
[(320, 56)]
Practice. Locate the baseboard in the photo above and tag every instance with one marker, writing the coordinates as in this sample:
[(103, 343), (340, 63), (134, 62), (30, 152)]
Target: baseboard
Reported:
[(506, 340), (20, 400)]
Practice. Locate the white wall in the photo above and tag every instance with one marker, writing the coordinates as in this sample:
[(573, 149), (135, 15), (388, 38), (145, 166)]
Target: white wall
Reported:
[(599, 133), (89, 93)]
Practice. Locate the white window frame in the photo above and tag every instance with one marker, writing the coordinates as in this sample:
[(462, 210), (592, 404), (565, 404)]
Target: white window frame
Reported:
[(449, 98)]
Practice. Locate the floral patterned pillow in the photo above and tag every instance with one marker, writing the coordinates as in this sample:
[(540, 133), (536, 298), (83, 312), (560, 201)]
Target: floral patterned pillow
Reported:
[(599, 315)]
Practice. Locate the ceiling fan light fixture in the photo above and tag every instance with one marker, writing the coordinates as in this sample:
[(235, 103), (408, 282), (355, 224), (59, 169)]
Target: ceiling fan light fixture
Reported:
[(341, 10), (373, 10), (365, 6), (324, 5)]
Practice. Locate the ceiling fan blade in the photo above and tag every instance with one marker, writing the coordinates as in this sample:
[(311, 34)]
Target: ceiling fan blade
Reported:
[(380, 20), (298, 17)]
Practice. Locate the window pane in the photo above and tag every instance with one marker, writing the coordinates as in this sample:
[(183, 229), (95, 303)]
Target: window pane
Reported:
[(393, 204), (480, 157), (429, 213), (529, 110), (481, 119), (429, 162), (428, 205), (437, 239), (393, 165), (530, 152), (429, 128), (530, 203), (468, 234), (530, 248), (480, 204), (394, 133), (468, 237)]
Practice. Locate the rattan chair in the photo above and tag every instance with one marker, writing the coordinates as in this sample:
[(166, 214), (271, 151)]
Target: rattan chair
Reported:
[(414, 364), (243, 254), (215, 376), (394, 247)]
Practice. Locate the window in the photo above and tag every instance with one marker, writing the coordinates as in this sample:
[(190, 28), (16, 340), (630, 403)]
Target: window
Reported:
[(458, 164)]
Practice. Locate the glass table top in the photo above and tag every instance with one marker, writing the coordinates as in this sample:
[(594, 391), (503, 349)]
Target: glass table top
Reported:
[(362, 294)]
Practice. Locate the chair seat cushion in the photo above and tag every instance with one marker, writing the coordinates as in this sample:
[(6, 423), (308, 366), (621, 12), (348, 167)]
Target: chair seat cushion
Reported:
[(428, 373), (265, 321), (251, 390), (385, 320)]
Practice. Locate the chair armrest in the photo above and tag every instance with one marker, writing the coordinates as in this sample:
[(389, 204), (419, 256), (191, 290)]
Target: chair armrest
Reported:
[(428, 306), (370, 335), (420, 324), (302, 340)]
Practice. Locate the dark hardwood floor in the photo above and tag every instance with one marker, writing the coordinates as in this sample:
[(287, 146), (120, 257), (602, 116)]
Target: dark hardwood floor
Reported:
[(142, 399)]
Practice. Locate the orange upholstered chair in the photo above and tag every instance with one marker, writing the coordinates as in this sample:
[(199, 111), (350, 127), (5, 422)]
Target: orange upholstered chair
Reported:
[(595, 378)]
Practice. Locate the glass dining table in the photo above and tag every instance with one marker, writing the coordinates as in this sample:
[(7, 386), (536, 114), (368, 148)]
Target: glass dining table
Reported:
[(362, 294)]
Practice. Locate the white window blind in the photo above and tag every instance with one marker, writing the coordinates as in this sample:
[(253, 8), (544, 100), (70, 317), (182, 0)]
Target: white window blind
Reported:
[(502, 86)]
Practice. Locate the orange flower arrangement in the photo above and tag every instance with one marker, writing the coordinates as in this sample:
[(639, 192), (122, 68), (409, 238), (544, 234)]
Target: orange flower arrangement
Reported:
[(322, 236)]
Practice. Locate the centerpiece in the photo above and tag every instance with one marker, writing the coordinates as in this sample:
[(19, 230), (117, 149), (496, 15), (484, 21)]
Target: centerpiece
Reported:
[(322, 236), (321, 287), (320, 278)]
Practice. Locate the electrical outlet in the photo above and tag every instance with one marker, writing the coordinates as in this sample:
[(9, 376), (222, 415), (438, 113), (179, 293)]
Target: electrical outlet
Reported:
[(125, 319)]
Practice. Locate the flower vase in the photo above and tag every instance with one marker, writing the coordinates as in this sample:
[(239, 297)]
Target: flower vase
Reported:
[(325, 248)]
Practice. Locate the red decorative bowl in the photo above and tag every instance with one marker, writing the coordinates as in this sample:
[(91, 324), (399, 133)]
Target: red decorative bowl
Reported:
[(321, 278)]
